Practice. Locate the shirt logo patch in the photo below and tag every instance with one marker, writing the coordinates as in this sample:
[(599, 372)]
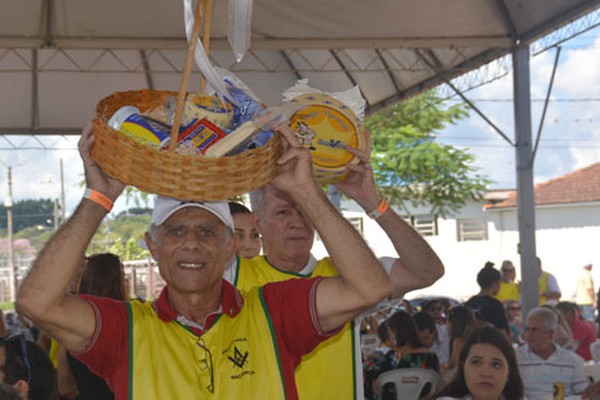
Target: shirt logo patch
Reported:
[(239, 358)]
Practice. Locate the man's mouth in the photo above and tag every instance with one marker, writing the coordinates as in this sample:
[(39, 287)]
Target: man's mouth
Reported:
[(188, 265)]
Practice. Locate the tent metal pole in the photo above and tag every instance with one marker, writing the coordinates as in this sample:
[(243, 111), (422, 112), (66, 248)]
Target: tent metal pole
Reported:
[(525, 190)]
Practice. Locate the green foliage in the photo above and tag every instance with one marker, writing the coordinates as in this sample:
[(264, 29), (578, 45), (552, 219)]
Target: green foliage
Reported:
[(121, 236), (411, 168), (29, 213)]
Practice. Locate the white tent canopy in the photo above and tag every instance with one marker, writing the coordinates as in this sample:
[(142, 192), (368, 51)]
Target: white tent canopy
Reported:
[(59, 57)]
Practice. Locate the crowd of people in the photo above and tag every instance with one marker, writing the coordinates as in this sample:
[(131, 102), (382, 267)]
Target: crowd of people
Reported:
[(247, 311), (229, 323), (532, 358)]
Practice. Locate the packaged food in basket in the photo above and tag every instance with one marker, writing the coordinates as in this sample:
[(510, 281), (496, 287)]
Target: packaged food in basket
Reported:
[(200, 106), (326, 126), (129, 121), (254, 133)]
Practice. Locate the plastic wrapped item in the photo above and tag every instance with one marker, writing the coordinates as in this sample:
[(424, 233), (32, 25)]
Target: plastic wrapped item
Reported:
[(240, 23), (200, 55), (254, 133), (351, 98), (327, 125)]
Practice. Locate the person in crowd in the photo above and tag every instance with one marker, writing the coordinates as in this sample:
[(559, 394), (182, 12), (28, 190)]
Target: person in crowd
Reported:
[(585, 296), (512, 309), (370, 323), (592, 391), (435, 308), (8, 392), (288, 236), (485, 307), (437, 341), (17, 324), (543, 363), (26, 367), (583, 332), (103, 276), (408, 351), (2, 324), (562, 334), (387, 341), (460, 318), (549, 292), (509, 289), (202, 337), (249, 243), (487, 369)]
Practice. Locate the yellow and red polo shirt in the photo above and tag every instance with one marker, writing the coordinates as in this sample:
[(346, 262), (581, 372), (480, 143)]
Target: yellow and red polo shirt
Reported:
[(248, 349)]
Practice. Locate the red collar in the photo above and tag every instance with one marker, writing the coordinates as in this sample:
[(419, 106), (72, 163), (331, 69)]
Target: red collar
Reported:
[(231, 304)]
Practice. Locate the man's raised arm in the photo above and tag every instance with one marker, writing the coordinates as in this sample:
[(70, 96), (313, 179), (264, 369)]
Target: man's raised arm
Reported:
[(43, 296), (417, 265), (362, 282)]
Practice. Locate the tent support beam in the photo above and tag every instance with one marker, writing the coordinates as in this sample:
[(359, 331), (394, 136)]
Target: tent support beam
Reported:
[(543, 117), (525, 189), (435, 65)]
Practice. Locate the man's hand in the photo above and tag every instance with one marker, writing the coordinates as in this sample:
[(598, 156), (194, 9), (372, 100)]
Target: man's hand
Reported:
[(360, 183), (95, 178), (295, 171)]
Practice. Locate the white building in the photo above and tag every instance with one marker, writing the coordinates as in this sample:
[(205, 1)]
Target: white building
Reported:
[(567, 236)]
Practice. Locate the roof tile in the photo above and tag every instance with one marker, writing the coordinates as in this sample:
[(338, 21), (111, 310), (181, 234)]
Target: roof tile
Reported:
[(580, 186)]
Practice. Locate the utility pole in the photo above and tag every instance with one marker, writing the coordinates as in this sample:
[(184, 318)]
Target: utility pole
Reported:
[(62, 194), (12, 267)]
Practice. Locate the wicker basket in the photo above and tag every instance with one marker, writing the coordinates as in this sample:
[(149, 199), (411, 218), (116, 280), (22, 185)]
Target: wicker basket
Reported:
[(185, 177)]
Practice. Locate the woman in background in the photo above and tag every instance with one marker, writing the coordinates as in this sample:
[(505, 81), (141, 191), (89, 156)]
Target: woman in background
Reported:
[(512, 309), (249, 243), (408, 352), (102, 276), (487, 369)]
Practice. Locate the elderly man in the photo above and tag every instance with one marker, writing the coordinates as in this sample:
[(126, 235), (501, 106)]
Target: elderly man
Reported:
[(201, 338), (543, 364), (334, 370)]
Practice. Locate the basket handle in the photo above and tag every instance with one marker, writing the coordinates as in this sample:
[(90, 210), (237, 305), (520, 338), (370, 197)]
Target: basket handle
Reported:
[(185, 79), (206, 37)]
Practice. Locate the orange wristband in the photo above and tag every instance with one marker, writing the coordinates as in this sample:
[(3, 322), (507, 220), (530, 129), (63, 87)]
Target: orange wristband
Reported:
[(98, 198), (378, 212)]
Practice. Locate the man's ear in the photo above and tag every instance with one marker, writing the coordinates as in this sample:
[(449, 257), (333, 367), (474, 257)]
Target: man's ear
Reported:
[(22, 387), (256, 221), (151, 245), (232, 246)]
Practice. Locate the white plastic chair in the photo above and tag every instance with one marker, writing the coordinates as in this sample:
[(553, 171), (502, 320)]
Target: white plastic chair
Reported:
[(409, 382), (595, 350)]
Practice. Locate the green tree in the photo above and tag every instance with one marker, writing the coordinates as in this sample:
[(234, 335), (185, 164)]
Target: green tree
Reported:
[(29, 213), (411, 168), (121, 236)]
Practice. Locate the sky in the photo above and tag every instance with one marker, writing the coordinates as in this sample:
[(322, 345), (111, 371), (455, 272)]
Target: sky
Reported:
[(570, 139)]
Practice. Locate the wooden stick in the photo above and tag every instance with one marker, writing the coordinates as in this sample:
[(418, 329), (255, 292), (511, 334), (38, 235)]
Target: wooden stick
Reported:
[(206, 37), (185, 79)]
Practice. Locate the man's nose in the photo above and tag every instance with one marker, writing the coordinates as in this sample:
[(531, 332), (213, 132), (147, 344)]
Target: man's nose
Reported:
[(192, 239)]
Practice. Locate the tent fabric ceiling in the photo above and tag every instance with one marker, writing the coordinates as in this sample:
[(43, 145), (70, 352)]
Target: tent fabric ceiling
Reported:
[(59, 57)]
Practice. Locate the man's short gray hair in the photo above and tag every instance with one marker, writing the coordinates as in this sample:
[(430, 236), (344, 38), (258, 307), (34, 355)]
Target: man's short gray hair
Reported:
[(548, 316), (257, 201)]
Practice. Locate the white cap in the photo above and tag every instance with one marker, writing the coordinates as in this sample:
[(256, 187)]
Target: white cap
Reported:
[(164, 207)]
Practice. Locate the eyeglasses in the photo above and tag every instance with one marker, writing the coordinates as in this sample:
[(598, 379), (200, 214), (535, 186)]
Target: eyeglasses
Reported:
[(206, 363), (8, 344), (514, 308)]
